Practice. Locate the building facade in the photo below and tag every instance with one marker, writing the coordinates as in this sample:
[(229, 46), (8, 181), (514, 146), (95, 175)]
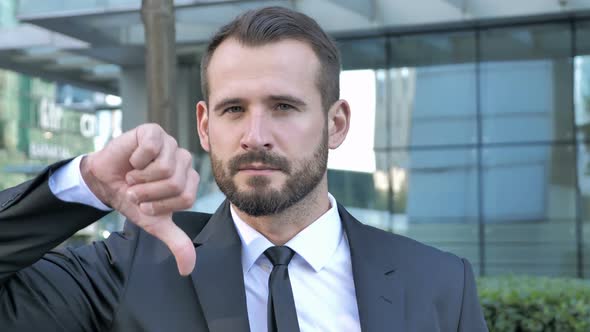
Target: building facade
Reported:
[(481, 135), (470, 124)]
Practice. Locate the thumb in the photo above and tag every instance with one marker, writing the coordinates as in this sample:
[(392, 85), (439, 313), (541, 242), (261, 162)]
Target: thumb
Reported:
[(178, 242)]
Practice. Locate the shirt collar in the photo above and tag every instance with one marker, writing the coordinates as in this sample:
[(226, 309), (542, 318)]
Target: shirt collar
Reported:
[(315, 244)]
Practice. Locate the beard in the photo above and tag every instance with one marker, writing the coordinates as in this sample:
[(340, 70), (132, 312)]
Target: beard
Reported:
[(303, 177)]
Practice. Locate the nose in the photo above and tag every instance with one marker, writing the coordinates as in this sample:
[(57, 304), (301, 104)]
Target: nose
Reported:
[(257, 135)]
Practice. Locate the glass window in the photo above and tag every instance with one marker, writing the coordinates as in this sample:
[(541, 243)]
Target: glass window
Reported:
[(365, 195), (433, 49), (582, 121), (431, 90), (529, 206), (435, 197), (526, 84), (357, 175), (362, 53), (582, 97), (359, 88), (582, 40), (583, 169)]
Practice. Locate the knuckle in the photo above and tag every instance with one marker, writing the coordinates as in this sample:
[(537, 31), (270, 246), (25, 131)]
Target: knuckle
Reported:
[(151, 149), (175, 187), (147, 131), (136, 177), (165, 168), (195, 176), (185, 154), (187, 199), (141, 196), (158, 208), (173, 143), (153, 127)]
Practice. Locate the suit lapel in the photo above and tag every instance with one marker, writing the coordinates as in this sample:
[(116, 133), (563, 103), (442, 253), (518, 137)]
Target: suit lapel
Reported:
[(219, 282), (380, 297), (218, 277)]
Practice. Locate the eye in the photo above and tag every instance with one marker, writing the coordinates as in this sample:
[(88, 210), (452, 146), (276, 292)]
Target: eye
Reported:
[(284, 107), (233, 109)]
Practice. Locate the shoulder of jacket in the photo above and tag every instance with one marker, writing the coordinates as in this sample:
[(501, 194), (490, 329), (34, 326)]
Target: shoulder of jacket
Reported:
[(415, 253)]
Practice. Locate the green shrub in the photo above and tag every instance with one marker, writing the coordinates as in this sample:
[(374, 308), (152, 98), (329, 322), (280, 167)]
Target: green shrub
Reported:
[(523, 304)]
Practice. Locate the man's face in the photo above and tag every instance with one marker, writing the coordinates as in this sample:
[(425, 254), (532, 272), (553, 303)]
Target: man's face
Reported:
[(265, 127)]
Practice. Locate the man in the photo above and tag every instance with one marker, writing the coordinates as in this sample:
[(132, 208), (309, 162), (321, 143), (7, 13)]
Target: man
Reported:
[(279, 255)]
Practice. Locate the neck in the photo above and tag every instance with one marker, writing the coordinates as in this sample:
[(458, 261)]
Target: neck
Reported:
[(281, 227)]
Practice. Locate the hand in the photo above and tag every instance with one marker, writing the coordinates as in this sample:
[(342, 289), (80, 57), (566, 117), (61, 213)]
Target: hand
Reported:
[(145, 175)]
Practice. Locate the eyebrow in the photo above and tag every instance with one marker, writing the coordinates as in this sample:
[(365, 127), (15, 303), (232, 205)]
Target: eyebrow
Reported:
[(289, 99), (224, 103)]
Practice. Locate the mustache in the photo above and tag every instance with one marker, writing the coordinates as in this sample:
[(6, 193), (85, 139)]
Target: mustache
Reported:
[(263, 157)]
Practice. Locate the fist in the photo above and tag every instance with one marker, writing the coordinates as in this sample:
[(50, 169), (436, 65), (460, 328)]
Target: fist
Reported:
[(145, 176)]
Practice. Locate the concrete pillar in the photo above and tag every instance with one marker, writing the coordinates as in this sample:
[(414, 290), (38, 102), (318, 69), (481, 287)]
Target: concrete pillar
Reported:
[(160, 62)]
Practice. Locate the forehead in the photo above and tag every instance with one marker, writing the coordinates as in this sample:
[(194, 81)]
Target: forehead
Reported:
[(286, 66)]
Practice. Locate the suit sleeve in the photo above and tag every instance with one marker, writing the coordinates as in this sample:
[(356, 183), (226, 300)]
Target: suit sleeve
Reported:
[(66, 290), (472, 319)]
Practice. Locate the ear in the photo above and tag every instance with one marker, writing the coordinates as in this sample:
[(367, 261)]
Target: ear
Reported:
[(338, 123), (203, 125)]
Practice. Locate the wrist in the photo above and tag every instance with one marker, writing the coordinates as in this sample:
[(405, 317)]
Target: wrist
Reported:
[(87, 172)]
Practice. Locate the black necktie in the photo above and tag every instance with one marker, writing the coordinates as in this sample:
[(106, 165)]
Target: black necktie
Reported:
[(282, 316)]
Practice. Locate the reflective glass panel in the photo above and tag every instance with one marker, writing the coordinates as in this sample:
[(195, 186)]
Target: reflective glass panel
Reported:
[(362, 53), (526, 84), (435, 198), (431, 90), (357, 174), (582, 40), (583, 169), (529, 206), (582, 121)]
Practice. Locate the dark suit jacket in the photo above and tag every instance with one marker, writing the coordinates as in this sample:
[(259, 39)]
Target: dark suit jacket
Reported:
[(129, 282)]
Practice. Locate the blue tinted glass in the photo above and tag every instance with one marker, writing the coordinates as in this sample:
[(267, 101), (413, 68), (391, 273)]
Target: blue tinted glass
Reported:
[(526, 84), (435, 196), (432, 90), (529, 206), (362, 53)]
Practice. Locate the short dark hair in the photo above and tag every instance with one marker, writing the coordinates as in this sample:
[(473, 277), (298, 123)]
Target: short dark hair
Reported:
[(272, 24)]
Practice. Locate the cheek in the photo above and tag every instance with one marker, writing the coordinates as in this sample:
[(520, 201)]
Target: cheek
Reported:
[(312, 132), (300, 141), (222, 136), (305, 128)]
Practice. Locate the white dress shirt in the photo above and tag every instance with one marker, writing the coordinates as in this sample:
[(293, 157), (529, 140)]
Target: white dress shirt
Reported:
[(320, 271), (67, 184), (320, 274)]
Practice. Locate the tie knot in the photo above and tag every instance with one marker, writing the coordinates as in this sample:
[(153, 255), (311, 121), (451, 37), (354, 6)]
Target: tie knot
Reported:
[(279, 255)]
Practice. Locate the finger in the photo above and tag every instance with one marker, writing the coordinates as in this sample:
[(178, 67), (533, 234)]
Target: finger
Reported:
[(181, 202), (150, 138), (119, 149), (166, 188), (162, 167), (177, 241)]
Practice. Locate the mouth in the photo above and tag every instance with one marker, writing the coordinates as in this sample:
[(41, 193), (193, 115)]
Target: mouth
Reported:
[(258, 168)]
